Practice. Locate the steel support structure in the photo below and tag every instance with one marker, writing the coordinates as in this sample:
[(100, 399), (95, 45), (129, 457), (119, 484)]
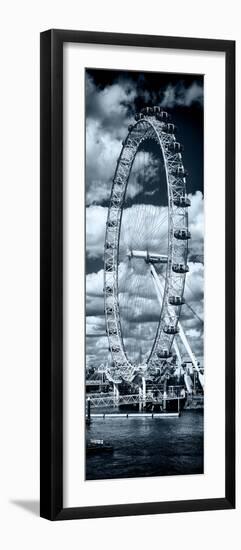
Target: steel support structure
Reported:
[(135, 399), (181, 333)]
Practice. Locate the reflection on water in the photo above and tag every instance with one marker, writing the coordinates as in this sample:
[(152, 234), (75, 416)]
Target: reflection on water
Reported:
[(147, 447)]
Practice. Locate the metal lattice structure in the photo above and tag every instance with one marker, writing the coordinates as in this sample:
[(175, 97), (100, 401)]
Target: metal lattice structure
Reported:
[(109, 400), (151, 124)]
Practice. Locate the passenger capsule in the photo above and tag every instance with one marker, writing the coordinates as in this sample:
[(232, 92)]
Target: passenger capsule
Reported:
[(175, 147), (116, 349), (183, 201), (164, 354), (109, 289), (169, 128), (113, 331), (170, 329), (112, 223), (180, 172), (182, 234), (176, 300), (163, 115), (180, 268)]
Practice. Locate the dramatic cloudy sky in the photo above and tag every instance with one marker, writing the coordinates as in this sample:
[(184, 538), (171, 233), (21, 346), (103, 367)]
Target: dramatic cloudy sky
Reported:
[(112, 98)]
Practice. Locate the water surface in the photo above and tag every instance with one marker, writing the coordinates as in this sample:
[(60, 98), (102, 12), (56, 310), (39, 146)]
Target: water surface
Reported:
[(147, 447)]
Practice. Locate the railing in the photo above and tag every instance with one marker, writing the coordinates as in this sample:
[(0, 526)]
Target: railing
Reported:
[(113, 400), (99, 382)]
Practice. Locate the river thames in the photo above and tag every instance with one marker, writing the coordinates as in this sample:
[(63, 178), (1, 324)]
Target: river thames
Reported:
[(147, 447)]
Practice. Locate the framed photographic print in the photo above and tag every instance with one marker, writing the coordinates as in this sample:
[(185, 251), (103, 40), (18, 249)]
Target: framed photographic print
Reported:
[(137, 274)]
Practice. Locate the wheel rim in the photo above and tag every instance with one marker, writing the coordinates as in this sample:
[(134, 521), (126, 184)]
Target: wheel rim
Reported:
[(147, 127)]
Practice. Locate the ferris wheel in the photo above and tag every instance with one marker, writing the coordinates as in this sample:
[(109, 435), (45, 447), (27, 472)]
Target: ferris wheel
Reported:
[(146, 248)]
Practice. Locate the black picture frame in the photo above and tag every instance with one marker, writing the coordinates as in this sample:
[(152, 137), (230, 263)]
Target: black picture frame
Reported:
[(51, 324)]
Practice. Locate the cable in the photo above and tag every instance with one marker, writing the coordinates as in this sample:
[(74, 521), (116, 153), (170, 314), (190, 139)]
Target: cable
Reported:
[(194, 313)]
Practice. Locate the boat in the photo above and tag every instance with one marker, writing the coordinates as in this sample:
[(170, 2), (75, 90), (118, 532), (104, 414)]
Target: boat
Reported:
[(98, 445)]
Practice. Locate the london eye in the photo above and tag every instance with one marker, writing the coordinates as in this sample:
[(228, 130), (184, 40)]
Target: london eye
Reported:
[(146, 249)]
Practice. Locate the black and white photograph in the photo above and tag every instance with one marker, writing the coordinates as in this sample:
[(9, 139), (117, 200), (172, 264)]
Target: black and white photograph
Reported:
[(119, 259), (144, 265), (137, 275)]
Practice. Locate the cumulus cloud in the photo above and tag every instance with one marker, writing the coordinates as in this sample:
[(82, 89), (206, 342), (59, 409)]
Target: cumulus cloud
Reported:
[(144, 171), (193, 333), (109, 111), (182, 96), (94, 293), (112, 105), (194, 297), (144, 225), (108, 114), (95, 326), (194, 282), (94, 283), (96, 217), (97, 351), (140, 310), (102, 151), (196, 225), (140, 315)]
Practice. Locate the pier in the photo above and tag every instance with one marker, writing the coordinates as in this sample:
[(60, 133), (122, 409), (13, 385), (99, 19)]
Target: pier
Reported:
[(139, 415)]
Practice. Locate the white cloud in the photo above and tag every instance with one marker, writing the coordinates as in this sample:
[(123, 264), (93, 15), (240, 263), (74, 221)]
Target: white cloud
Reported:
[(193, 333), (94, 293), (96, 217), (112, 104), (143, 226), (95, 325), (94, 283), (196, 224), (180, 95), (194, 282), (102, 151), (140, 314), (108, 113)]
